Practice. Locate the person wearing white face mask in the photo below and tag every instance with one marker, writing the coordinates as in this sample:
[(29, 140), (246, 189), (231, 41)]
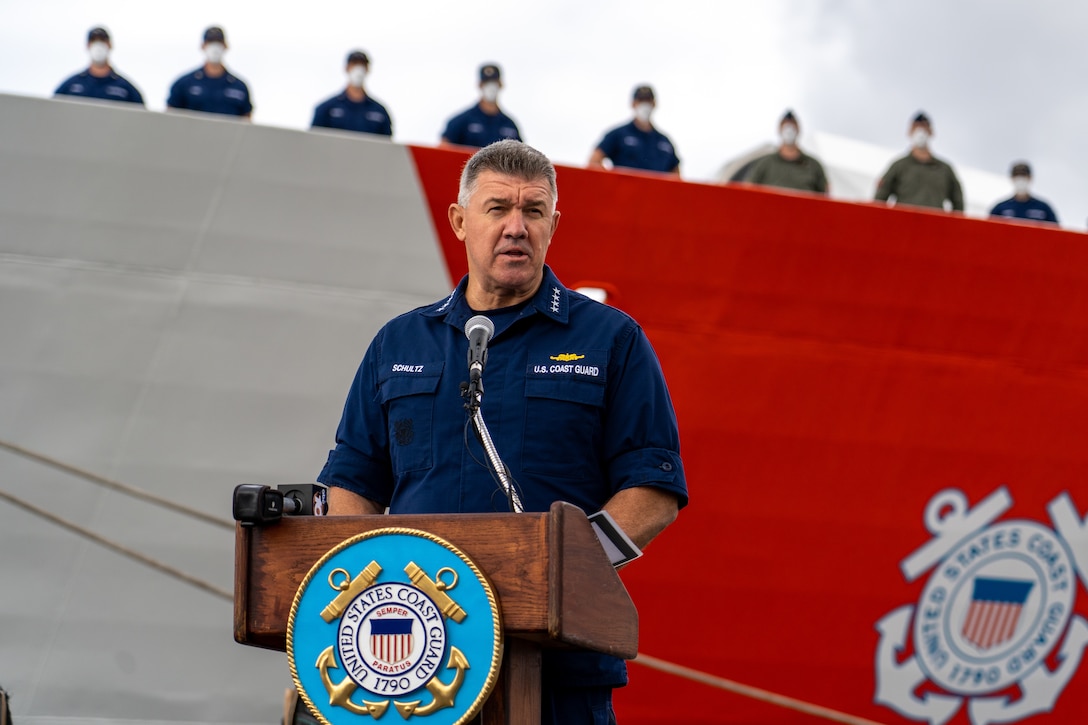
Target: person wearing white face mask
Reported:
[(212, 88), (789, 167), (483, 123), (1022, 205), (99, 80), (638, 144), (920, 178), (354, 109)]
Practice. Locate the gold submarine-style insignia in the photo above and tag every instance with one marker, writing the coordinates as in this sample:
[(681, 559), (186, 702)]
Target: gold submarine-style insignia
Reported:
[(443, 695), (567, 357)]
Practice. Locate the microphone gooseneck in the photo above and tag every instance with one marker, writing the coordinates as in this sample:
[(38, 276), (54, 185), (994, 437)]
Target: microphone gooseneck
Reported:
[(479, 330)]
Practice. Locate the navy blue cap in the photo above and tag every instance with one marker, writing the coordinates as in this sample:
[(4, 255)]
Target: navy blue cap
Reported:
[(643, 93), (1020, 168), (98, 33), (214, 34), (358, 56), (490, 72)]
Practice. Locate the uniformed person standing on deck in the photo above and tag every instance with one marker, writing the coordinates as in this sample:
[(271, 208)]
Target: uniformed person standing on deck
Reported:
[(354, 109), (638, 144), (100, 81), (920, 178), (483, 123), (789, 167), (1022, 204), (212, 88)]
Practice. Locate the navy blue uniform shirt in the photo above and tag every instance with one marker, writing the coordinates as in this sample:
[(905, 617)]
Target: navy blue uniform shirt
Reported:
[(197, 91), (1034, 209), (631, 147), (574, 398), (108, 88), (365, 116), (473, 127)]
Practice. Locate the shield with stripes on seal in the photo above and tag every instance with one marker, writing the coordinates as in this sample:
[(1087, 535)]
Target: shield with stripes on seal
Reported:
[(994, 611), (391, 639)]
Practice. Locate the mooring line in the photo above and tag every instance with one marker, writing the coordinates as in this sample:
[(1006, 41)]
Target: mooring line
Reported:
[(118, 486), (119, 548), (754, 693)]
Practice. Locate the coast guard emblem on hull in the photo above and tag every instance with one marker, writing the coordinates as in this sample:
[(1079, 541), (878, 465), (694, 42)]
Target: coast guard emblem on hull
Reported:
[(996, 611), (394, 619)]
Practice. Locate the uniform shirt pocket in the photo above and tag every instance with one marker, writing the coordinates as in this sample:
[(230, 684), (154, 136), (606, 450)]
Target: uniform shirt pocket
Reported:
[(564, 416), (407, 394)]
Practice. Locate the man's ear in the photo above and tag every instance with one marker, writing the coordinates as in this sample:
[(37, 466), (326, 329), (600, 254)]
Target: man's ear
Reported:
[(456, 214)]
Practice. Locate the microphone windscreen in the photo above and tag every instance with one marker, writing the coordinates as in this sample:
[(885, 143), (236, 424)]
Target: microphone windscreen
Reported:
[(482, 322)]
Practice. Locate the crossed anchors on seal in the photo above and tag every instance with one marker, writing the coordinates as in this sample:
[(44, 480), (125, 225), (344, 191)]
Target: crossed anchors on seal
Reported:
[(393, 646), (998, 603)]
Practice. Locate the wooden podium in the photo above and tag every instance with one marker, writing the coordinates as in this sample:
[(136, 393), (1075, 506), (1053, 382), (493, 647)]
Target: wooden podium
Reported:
[(555, 586)]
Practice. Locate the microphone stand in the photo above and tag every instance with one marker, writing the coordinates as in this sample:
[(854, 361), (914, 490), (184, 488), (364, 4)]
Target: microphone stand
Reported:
[(473, 393)]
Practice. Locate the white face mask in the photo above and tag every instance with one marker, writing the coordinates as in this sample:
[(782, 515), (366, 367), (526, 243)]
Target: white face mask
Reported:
[(919, 137), (356, 75), (789, 134), (213, 52), (99, 52), (1021, 185), (490, 91), (643, 111)]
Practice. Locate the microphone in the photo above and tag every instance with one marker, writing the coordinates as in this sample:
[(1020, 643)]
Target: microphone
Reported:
[(479, 330)]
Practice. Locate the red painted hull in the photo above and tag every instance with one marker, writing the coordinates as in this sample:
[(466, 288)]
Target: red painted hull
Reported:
[(833, 366)]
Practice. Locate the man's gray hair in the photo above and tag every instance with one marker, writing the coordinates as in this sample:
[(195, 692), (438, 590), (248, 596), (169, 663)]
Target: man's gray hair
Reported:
[(510, 158)]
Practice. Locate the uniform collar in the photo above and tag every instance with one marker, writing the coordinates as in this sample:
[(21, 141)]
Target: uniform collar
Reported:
[(551, 300), (112, 75), (199, 74)]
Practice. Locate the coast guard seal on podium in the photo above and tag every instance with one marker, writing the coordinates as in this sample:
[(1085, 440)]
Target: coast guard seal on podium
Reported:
[(395, 618)]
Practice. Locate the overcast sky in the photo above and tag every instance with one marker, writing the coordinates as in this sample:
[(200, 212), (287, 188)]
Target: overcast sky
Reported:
[(1001, 79)]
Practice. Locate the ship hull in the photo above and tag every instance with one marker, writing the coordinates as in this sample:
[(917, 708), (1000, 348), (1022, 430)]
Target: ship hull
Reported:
[(184, 300)]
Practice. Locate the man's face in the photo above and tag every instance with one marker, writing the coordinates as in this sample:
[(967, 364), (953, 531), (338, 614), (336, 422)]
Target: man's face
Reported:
[(506, 227)]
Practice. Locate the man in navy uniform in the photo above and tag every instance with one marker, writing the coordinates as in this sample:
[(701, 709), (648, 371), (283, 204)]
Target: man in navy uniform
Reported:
[(638, 144), (1022, 205), (483, 123), (600, 434), (100, 80), (212, 88), (354, 109)]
